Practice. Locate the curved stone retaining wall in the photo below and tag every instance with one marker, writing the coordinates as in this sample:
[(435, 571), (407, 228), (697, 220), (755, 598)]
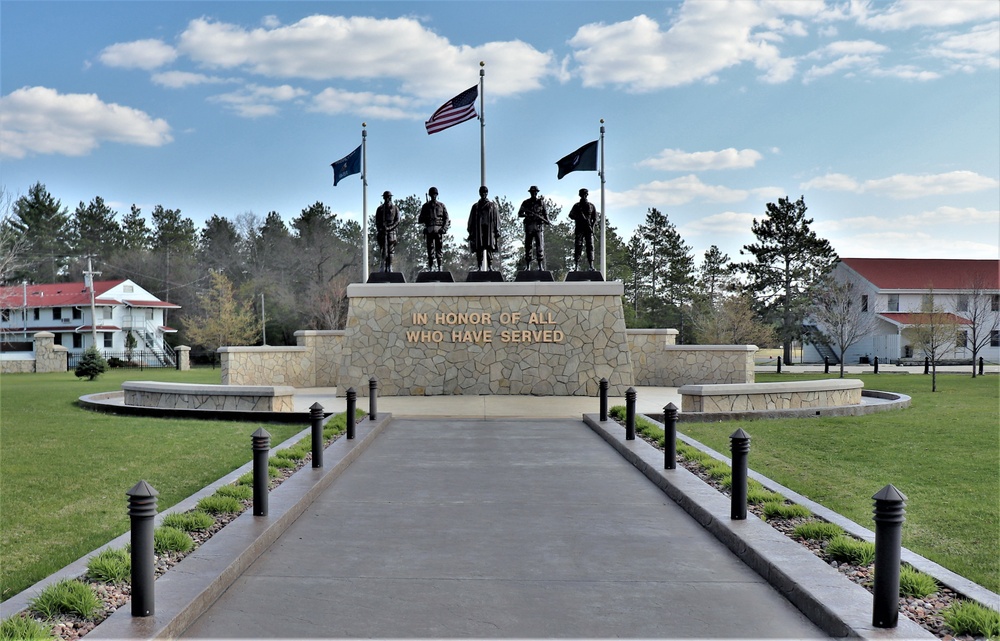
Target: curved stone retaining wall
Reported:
[(258, 398), (770, 396)]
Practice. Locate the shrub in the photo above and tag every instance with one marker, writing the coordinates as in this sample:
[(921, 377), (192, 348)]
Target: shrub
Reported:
[(238, 492), (170, 539), (195, 521), (68, 596), (111, 566), (91, 364), (19, 628), (850, 550), (818, 530), (782, 510), (975, 619), (913, 582), (718, 470), (294, 453), (760, 495), (220, 505), (245, 479), (282, 463)]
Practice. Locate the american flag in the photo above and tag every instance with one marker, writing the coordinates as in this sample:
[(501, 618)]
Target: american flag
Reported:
[(459, 109)]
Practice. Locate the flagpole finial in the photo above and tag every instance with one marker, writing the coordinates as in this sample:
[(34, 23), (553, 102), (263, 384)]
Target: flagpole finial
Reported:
[(482, 63)]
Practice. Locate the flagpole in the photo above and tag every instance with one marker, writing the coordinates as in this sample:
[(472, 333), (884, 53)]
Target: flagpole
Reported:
[(364, 203), (604, 246), (482, 124)]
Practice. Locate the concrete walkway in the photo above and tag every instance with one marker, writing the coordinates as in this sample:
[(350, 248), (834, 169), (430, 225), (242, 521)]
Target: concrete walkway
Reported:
[(497, 529)]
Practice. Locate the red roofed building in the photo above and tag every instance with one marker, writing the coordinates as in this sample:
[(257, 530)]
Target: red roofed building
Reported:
[(894, 289), (64, 309)]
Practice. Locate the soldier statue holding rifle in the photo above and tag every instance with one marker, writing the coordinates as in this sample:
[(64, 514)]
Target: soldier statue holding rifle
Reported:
[(585, 216), (535, 220)]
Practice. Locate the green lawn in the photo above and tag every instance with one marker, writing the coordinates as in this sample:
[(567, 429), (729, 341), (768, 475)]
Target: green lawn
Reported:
[(943, 453), (64, 470)]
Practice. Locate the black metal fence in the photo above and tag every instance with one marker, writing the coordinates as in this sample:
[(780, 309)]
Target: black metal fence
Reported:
[(136, 359)]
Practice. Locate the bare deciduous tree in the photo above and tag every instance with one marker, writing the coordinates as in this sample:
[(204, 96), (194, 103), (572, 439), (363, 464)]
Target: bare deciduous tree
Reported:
[(732, 322), (981, 306), (842, 321), (932, 331)]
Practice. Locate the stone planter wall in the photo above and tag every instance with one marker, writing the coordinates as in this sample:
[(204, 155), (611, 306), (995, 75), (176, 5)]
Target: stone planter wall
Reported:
[(293, 366), (486, 338), (209, 397), (762, 397)]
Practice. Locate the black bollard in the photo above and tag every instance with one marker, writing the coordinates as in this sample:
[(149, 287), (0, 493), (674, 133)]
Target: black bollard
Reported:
[(141, 510), (826, 364), (980, 365), (372, 398), (670, 437), (927, 364), (630, 414), (875, 364), (889, 504), (779, 365), (604, 399), (352, 400), (316, 421), (739, 445), (261, 440)]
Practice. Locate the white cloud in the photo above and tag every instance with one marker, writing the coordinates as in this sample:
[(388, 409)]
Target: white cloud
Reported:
[(979, 48), (679, 191), (727, 222), (906, 72), (678, 160), (140, 54), (181, 79), (39, 120), (326, 47), (365, 104), (905, 186), (849, 47), (254, 101), (704, 39), (904, 14), (952, 216)]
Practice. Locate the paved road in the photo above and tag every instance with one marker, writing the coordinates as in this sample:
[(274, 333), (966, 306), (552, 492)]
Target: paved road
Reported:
[(497, 529)]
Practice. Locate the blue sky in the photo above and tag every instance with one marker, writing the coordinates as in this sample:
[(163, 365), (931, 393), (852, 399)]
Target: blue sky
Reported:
[(884, 115)]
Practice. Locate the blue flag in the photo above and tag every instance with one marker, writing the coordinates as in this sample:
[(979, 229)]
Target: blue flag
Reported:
[(346, 166)]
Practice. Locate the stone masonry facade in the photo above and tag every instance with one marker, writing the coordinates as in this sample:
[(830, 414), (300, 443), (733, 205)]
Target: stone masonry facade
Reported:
[(468, 338)]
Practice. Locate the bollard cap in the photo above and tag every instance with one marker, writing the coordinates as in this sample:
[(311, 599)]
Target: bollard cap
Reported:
[(261, 433), (889, 493), (670, 407), (740, 435), (316, 407), (142, 489)]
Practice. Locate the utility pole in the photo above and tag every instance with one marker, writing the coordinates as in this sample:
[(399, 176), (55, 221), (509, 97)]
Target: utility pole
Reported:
[(88, 277)]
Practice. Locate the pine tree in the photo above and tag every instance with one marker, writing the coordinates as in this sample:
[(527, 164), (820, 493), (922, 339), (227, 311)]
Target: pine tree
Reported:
[(789, 261), (44, 224), (91, 364)]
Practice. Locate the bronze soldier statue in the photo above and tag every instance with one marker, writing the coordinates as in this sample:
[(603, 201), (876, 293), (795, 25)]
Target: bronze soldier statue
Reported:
[(434, 218), (484, 229), (386, 223), (535, 219), (585, 216)]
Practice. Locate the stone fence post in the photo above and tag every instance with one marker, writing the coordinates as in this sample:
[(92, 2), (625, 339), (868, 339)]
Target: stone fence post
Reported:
[(183, 358)]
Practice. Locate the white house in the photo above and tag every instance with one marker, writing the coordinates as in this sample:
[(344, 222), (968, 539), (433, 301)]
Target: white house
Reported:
[(65, 309), (893, 289)]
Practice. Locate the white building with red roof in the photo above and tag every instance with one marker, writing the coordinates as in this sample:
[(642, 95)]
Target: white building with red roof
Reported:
[(120, 307), (895, 289)]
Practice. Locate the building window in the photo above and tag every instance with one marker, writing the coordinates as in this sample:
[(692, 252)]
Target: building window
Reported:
[(995, 338), (127, 289), (109, 340), (864, 302), (77, 313), (962, 340), (4, 315), (893, 305), (57, 313), (927, 303), (38, 314), (77, 341), (963, 303), (107, 313), (995, 305)]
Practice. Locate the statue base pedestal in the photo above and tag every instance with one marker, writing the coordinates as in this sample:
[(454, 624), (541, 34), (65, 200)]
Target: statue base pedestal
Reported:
[(529, 338), (588, 276), (533, 275), (435, 277), (386, 277), (484, 277)]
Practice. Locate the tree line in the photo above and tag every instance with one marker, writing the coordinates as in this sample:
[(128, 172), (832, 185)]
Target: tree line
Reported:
[(299, 271)]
